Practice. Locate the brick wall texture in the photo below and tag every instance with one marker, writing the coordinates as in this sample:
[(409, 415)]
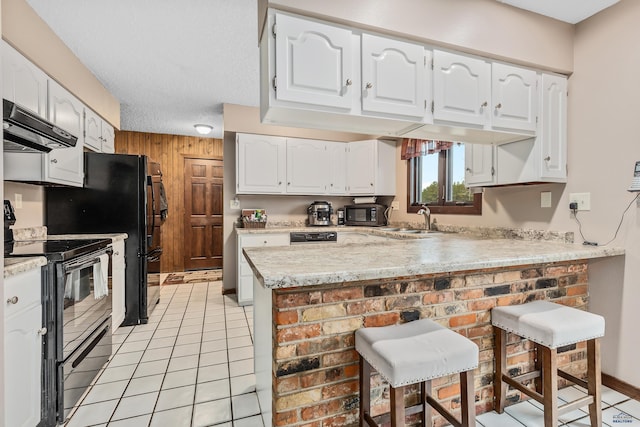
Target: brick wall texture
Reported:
[(315, 370)]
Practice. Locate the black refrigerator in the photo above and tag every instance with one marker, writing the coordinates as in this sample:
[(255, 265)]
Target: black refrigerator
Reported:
[(122, 193)]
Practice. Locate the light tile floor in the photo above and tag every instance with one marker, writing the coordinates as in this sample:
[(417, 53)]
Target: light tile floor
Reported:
[(192, 366)]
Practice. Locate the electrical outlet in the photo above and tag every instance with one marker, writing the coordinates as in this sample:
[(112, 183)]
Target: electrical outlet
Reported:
[(234, 203), (545, 199), (18, 201), (582, 199), (395, 205)]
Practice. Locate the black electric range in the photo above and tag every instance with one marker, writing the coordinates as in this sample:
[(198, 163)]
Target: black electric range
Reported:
[(56, 250)]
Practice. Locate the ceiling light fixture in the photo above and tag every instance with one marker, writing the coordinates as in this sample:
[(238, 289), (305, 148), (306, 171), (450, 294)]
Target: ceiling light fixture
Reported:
[(203, 129)]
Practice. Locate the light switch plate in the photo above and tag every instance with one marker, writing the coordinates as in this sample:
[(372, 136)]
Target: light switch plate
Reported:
[(582, 199), (18, 201), (545, 199), (234, 204)]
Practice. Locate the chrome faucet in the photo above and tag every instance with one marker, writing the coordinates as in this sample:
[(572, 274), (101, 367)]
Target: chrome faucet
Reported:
[(424, 210)]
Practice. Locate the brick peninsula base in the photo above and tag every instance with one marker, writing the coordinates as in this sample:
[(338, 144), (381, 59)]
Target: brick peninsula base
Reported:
[(306, 364)]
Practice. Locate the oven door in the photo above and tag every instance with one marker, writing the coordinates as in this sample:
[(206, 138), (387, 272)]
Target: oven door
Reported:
[(77, 372), (83, 299)]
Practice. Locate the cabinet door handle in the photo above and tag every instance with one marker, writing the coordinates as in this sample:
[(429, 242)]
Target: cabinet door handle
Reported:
[(371, 184), (368, 86), (348, 82), (279, 182), (12, 300), (484, 104), (546, 159), (42, 331), (468, 170), (116, 253), (499, 106), (54, 160)]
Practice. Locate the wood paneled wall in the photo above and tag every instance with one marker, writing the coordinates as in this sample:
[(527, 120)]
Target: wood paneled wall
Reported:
[(170, 151)]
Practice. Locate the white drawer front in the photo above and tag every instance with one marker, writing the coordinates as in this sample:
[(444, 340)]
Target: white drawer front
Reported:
[(265, 240)]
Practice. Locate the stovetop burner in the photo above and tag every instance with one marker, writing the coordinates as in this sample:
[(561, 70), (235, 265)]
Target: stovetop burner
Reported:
[(56, 250)]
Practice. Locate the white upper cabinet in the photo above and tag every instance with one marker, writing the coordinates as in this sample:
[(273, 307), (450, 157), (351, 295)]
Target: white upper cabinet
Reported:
[(514, 95), (307, 160), (22, 82), (371, 168), (361, 167), (261, 164), (99, 135), (92, 131), (462, 89), (65, 165), (552, 135), (479, 165), (313, 63), (108, 138), (337, 168), (394, 76)]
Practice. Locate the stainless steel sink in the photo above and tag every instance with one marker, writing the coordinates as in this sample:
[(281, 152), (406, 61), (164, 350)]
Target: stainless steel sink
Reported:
[(409, 230), (389, 228)]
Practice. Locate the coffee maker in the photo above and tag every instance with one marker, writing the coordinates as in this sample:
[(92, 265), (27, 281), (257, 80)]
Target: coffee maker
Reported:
[(319, 213)]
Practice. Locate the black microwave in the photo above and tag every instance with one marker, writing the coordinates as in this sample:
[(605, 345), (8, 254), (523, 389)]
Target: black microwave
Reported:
[(371, 215)]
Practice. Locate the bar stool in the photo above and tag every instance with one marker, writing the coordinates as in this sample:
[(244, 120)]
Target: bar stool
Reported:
[(549, 326), (410, 353)]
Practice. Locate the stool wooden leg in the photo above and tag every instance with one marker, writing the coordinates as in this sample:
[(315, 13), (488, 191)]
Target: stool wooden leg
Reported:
[(500, 388), (467, 399), (538, 367), (550, 385), (426, 409), (594, 381), (397, 406), (365, 390)]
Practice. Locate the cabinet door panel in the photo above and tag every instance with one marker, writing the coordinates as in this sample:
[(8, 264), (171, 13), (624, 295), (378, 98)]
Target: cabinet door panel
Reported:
[(65, 164), (393, 76), (93, 131), (307, 162), (338, 167), (313, 63), (462, 88), (261, 164), (108, 138), (553, 125), (22, 82), (361, 167), (479, 169), (23, 367), (515, 97)]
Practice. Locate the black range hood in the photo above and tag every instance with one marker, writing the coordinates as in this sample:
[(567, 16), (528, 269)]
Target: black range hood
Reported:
[(24, 131)]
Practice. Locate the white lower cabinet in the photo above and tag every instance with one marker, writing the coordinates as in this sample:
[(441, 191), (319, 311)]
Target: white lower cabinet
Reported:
[(23, 342), (245, 274), (117, 283)]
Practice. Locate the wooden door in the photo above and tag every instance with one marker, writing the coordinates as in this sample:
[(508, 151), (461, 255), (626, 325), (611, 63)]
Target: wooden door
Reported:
[(203, 214)]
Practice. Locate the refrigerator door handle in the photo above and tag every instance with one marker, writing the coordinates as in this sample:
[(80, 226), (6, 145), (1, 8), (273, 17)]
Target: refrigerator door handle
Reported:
[(153, 210)]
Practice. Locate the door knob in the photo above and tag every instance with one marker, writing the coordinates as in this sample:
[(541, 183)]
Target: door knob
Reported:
[(348, 82), (42, 331), (546, 159), (368, 86), (498, 106), (54, 160), (484, 104), (12, 300)]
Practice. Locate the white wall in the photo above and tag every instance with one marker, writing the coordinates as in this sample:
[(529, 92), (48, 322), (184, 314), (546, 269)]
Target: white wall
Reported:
[(31, 214)]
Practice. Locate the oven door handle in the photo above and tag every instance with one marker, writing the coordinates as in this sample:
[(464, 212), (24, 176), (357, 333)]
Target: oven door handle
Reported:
[(84, 262), (90, 347)]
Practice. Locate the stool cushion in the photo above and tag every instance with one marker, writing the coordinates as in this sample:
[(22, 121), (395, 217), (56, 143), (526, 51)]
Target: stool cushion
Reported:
[(549, 324), (416, 351)]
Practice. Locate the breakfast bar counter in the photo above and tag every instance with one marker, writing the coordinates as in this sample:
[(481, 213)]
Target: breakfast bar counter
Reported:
[(309, 300)]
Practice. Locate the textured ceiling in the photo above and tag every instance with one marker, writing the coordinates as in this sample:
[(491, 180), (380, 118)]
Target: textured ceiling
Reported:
[(571, 11), (170, 63)]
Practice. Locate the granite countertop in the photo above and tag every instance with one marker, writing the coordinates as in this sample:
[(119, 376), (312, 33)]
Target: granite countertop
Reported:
[(115, 237), (15, 266), (376, 231), (305, 265)]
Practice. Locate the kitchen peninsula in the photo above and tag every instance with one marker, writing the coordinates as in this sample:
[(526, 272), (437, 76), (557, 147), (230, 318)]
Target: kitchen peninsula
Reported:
[(308, 301)]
